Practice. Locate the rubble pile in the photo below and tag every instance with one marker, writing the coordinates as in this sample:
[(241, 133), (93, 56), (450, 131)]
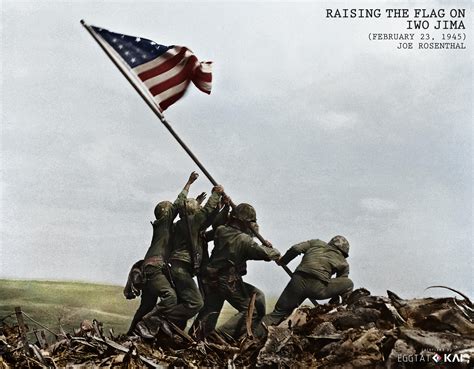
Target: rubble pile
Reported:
[(366, 332)]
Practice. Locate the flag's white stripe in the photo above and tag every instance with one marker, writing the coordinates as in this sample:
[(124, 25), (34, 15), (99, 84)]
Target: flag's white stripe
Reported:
[(171, 91), (204, 85), (206, 67), (179, 62), (163, 77), (158, 61), (168, 74)]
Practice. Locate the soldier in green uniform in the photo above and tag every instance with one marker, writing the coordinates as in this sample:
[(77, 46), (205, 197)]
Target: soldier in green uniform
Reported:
[(187, 252), (206, 321), (157, 284), (233, 247), (312, 277)]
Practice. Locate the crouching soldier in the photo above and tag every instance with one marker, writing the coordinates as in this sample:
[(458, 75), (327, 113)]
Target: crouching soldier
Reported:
[(233, 247), (312, 278), (154, 269)]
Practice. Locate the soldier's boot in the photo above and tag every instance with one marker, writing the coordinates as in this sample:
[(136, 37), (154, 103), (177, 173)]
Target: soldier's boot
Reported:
[(142, 330), (341, 299), (152, 323), (166, 329), (334, 300), (202, 327), (345, 296)]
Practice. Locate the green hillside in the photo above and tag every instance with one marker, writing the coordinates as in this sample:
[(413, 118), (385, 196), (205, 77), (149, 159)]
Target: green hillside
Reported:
[(68, 302), (71, 302)]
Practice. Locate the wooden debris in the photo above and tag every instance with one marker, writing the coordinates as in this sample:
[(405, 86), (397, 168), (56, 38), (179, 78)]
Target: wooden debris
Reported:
[(366, 332)]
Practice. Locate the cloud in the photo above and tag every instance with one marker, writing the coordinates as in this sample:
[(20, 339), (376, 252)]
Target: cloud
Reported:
[(338, 120), (378, 205)]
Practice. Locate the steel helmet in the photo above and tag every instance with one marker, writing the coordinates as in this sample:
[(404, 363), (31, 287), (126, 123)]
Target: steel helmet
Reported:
[(162, 208), (192, 206), (340, 243), (245, 213)]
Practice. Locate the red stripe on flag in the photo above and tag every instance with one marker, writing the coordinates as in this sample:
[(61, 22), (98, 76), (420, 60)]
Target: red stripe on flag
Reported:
[(162, 68), (166, 103), (177, 79), (202, 76)]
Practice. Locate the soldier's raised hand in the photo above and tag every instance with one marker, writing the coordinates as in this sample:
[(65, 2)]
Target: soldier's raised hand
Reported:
[(192, 177), (268, 244), (226, 200), (201, 197), (219, 189)]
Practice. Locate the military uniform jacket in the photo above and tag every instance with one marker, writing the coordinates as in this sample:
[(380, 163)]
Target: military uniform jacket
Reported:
[(232, 248), (319, 260), (159, 249), (198, 222)]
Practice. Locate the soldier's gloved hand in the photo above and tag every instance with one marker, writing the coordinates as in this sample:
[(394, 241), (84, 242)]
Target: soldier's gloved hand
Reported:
[(219, 189), (226, 200), (192, 177), (268, 244), (201, 197), (275, 254)]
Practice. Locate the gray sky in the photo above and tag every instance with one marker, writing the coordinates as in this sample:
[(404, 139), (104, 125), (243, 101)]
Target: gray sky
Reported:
[(324, 131)]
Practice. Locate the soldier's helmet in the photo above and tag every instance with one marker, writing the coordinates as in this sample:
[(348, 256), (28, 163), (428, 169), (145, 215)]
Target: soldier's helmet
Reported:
[(192, 206), (340, 243), (245, 213), (162, 208)]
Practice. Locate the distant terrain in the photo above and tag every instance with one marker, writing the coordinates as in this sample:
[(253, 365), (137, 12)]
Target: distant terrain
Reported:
[(68, 303)]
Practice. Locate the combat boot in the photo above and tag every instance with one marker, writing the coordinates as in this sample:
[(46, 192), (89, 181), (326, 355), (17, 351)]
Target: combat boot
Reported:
[(142, 330)]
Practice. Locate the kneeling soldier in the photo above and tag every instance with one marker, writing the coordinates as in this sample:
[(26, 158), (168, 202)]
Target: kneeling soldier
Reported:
[(312, 278)]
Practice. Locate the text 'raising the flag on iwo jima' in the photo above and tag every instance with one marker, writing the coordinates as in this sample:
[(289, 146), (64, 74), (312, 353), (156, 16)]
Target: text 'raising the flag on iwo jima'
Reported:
[(421, 28)]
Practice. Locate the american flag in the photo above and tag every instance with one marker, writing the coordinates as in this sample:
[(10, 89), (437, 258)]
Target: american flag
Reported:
[(165, 71)]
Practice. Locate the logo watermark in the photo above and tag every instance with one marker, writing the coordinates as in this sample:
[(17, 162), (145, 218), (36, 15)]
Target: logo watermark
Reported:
[(437, 357)]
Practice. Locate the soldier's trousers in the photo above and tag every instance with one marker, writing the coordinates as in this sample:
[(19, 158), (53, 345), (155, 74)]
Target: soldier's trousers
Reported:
[(237, 293), (189, 298), (156, 286), (206, 320), (302, 286)]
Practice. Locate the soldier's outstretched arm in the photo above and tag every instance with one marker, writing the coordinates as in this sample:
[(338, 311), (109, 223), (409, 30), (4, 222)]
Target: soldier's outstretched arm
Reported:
[(183, 194), (254, 251), (192, 178), (211, 208), (294, 251)]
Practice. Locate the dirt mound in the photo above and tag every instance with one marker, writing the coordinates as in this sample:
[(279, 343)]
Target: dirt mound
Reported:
[(367, 332)]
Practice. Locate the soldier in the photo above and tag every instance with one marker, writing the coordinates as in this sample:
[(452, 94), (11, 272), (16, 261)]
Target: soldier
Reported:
[(208, 315), (233, 246), (154, 265), (312, 278), (187, 253)]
